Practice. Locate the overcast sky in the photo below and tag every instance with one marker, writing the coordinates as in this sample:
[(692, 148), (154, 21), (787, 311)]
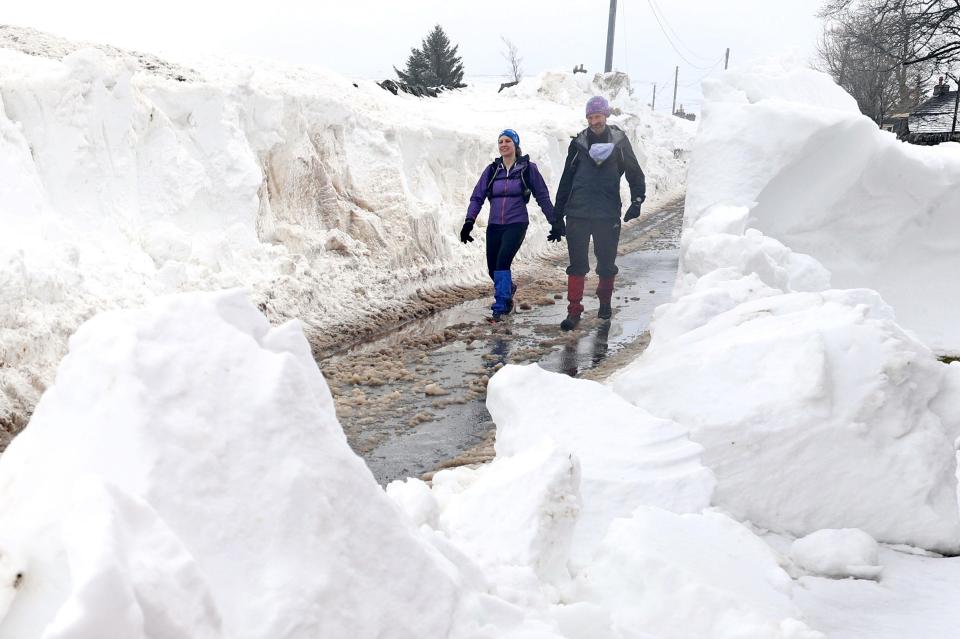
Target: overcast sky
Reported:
[(364, 38)]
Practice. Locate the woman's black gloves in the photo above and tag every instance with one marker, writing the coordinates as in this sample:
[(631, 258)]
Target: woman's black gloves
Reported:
[(465, 232)]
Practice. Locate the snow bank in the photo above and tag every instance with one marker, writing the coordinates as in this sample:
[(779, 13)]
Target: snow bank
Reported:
[(816, 409), (186, 477), (822, 179), (334, 203)]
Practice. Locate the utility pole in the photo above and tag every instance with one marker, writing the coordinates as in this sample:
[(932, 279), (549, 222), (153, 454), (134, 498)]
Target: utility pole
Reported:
[(676, 74), (608, 65), (956, 105), (653, 105), (726, 59)]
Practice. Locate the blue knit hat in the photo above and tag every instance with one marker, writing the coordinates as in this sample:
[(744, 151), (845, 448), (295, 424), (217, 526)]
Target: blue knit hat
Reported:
[(510, 133), (598, 104)]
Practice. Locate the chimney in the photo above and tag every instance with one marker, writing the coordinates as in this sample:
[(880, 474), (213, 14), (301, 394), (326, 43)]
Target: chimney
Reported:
[(941, 88)]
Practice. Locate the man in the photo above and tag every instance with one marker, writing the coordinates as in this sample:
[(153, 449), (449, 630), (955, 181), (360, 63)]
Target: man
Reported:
[(589, 198)]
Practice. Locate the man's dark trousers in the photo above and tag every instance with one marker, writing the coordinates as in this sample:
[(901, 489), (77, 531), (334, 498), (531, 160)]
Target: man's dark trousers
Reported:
[(606, 237)]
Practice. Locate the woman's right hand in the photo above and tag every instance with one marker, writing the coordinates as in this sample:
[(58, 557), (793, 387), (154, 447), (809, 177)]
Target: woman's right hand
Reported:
[(465, 232)]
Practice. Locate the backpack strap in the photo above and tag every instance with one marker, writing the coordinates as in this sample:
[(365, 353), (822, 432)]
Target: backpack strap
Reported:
[(525, 180), (493, 176)]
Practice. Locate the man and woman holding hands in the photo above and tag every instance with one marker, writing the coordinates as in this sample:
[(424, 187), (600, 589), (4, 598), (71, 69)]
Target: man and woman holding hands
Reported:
[(587, 205)]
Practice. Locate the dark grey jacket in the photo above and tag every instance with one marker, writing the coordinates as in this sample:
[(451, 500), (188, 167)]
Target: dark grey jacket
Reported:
[(589, 189)]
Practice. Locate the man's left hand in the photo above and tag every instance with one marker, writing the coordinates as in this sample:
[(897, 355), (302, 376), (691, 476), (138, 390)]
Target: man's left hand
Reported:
[(634, 211)]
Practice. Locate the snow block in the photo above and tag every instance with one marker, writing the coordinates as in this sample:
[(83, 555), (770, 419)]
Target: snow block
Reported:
[(221, 465), (816, 410), (838, 553), (627, 457), (518, 511)]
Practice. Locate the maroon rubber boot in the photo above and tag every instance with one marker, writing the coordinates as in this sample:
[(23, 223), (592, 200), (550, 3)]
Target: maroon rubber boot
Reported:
[(574, 298)]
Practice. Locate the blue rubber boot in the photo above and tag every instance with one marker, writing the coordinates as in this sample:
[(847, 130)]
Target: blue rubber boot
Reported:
[(502, 294)]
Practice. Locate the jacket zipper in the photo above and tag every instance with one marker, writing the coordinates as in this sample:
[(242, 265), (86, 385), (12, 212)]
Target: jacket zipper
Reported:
[(503, 204)]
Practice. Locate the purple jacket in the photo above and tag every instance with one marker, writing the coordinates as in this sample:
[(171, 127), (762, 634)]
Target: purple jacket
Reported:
[(506, 192)]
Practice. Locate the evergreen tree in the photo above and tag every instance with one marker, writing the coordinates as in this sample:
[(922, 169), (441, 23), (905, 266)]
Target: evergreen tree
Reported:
[(434, 64)]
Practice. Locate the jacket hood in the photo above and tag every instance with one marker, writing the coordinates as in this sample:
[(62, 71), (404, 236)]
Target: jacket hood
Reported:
[(617, 136)]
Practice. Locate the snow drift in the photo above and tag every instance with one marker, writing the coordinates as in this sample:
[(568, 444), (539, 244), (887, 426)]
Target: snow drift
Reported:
[(815, 407)]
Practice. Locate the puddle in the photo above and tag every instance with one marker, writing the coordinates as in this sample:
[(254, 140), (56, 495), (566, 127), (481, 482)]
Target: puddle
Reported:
[(414, 398)]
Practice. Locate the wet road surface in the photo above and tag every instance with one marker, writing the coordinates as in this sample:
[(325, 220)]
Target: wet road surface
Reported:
[(414, 398)]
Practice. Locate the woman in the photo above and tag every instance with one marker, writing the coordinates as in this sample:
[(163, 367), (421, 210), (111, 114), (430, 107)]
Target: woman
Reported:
[(508, 183)]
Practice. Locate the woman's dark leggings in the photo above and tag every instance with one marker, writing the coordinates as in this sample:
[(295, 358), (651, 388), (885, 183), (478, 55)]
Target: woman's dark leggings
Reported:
[(503, 242)]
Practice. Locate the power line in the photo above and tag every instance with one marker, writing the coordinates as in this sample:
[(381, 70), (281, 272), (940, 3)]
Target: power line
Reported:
[(674, 46), (702, 77), (674, 33)]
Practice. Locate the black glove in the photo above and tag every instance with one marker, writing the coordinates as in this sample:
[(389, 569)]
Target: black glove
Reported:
[(634, 211), (557, 230), (465, 232)]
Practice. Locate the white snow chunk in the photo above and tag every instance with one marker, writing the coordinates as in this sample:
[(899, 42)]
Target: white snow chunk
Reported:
[(518, 511), (627, 457), (846, 552), (815, 412), (130, 573), (215, 438), (415, 499), (691, 576)]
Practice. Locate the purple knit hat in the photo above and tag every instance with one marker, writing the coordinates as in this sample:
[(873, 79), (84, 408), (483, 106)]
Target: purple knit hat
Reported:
[(598, 104)]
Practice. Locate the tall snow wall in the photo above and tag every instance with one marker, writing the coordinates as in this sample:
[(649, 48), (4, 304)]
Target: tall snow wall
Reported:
[(333, 202), (824, 180), (815, 407)]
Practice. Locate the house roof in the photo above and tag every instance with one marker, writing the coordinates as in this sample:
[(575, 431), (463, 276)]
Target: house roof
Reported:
[(935, 115)]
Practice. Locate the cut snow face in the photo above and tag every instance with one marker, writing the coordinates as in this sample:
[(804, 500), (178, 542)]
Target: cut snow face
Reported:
[(815, 412), (816, 408), (824, 180), (334, 203)]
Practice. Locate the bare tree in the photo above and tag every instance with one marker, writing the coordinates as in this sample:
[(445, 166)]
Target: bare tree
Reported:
[(934, 26), (872, 49), (512, 56)]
